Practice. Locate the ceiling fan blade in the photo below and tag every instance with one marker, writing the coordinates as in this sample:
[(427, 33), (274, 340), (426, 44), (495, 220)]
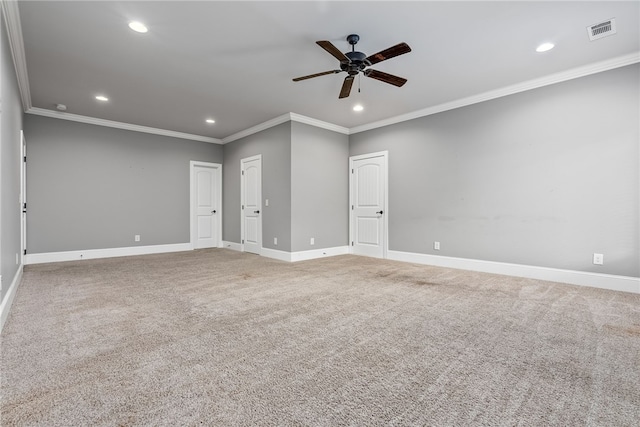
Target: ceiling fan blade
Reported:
[(391, 52), (310, 76), (329, 47), (385, 77), (346, 87)]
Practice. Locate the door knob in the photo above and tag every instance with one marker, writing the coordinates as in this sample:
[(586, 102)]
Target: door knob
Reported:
[(213, 211), (256, 212), (380, 212)]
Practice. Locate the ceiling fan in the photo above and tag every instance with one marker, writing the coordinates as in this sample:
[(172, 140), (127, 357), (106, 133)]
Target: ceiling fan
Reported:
[(355, 62)]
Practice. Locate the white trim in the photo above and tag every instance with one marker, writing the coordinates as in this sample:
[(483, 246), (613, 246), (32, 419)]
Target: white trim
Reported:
[(7, 302), (304, 255), (16, 46), (232, 246), (582, 278), (385, 217), (294, 117), (258, 128), (16, 43), (276, 254), (192, 196), (120, 125), (20, 65), (252, 158), (594, 68), (318, 123), (319, 253), (105, 253)]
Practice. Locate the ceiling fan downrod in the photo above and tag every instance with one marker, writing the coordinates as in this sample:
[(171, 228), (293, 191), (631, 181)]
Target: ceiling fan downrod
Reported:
[(353, 39)]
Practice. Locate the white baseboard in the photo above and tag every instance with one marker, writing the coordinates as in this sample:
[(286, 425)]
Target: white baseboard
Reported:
[(304, 255), (276, 254), (292, 256), (319, 253), (7, 301), (582, 278), (232, 245), (105, 253)]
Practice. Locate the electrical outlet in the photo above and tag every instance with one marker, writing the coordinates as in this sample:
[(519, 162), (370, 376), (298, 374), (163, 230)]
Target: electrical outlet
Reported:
[(598, 259), (275, 241), (436, 246), (266, 202), (312, 241), (136, 237)]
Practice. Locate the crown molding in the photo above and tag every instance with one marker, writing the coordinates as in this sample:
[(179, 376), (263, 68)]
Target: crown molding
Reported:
[(574, 73), (120, 125), (318, 123), (11, 15), (257, 128), (294, 117)]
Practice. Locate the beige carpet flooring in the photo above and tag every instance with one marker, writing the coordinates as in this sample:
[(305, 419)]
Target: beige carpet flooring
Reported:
[(216, 337)]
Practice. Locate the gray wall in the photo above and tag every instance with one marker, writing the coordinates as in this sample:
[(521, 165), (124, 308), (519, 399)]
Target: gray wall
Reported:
[(10, 126), (545, 177), (274, 144), (319, 187), (95, 187)]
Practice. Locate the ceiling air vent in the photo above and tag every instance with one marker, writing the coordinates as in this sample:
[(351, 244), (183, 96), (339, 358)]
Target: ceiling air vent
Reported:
[(603, 29)]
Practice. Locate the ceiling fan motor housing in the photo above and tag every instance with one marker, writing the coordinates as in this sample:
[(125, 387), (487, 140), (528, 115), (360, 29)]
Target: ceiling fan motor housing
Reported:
[(357, 62)]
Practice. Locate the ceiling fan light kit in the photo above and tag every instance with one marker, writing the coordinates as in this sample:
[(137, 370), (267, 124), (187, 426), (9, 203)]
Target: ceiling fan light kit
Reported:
[(355, 62)]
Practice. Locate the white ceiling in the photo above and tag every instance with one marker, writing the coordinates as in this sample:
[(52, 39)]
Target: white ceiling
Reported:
[(234, 61)]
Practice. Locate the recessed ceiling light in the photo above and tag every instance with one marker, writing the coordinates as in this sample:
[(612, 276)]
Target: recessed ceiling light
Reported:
[(358, 107), (210, 121), (102, 98), (138, 27), (545, 47)]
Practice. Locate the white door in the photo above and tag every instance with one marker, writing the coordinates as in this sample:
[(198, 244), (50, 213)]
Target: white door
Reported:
[(206, 212), (368, 204), (23, 198), (251, 199)]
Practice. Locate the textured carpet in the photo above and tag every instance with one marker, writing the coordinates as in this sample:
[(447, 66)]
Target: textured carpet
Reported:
[(216, 337)]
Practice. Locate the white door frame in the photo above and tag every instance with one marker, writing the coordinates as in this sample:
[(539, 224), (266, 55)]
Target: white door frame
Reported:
[(192, 198), (23, 197), (385, 216), (242, 236)]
